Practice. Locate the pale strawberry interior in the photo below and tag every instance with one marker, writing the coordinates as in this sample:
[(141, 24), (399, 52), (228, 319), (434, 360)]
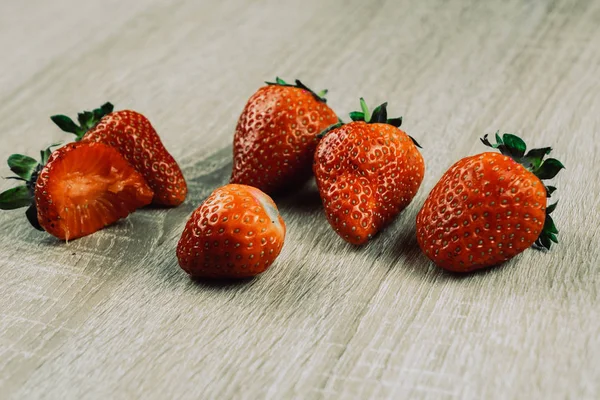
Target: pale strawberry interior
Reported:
[(269, 207), (93, 192)]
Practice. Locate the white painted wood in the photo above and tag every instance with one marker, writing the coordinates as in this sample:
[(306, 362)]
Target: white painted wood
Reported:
[(112, 315)]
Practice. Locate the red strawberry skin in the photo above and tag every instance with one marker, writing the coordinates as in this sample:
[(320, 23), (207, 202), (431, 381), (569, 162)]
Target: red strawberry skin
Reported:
[(86, 186), (276, 137), (484, 210), (132, 134), (236, 233), (366, 175)]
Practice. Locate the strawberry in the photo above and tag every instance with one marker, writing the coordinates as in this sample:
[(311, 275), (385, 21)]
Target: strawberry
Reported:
[(489, 207), (276, 136), (367, 171), (134, 137), (236, 233), (76, 190)]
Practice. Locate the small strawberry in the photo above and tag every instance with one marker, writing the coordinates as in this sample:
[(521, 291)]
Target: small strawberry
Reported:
[(489, 207), (236, 233), (76, 190), (276, 136), (134, 137), (367, 171)]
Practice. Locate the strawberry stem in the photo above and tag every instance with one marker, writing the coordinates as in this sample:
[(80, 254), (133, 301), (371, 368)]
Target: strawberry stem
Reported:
[(514, 147), (319, 96)]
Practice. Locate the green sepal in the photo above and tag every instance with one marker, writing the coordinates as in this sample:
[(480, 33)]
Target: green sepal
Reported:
[(87, 120), (533, 159), (397, 122), (45, 154), (329, 129), (379, 115), (357, 116), (22, 165), (415, 142), (550, 190), (551, 208), (548, 169), (14, 198), (24, 195), (514, 147), (510, 145), (548, 234), (31, 214), (320, 96), (66, 124)]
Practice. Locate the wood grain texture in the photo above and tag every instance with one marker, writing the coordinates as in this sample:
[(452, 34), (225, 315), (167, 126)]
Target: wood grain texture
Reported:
[(112, 315)]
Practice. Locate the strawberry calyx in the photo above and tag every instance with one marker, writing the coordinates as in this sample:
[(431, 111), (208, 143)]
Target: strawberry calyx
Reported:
[(319, 96), (26, 170), (87, 120), (378, 116), (514, 147)]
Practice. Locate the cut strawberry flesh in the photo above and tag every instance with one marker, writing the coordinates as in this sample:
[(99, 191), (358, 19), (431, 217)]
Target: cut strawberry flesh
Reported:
[(90, 186)]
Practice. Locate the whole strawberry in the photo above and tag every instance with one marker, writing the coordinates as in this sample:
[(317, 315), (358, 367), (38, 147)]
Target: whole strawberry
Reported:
[(236, 233), (367, 171), (134, 137), (76, 190), (276, 136), (489, 207)]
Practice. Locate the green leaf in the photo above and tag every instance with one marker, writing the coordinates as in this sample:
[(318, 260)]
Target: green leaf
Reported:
[(486, 141), (397, 122), (545, 242), (357, 116), (329, 129), (553, 237), (365, 110), (32, 217), (322, 93), (515, 144), (66, 124), (45, 154), (104, 110), (22, 165), (16, 197), (415, 142), (551, 208), (280, 81), (549, 225), (539, 153), (498, 139), (86, 119), (550, 190), (533, 159), (549, 169), (379, 114)]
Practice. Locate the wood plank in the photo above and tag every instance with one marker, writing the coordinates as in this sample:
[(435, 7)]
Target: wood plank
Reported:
[(112, 315)]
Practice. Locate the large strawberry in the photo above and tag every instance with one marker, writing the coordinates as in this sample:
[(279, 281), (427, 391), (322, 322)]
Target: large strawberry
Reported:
[(236, 233), (76, 190), (132, 134), (489, 207), (276, 136), (367, 171)]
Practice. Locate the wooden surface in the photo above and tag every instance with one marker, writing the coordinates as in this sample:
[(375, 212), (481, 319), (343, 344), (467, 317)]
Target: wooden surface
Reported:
[(112, 315)]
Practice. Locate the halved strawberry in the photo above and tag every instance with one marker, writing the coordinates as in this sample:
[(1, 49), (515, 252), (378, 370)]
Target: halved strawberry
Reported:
[(82, 188), (135, 138)]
